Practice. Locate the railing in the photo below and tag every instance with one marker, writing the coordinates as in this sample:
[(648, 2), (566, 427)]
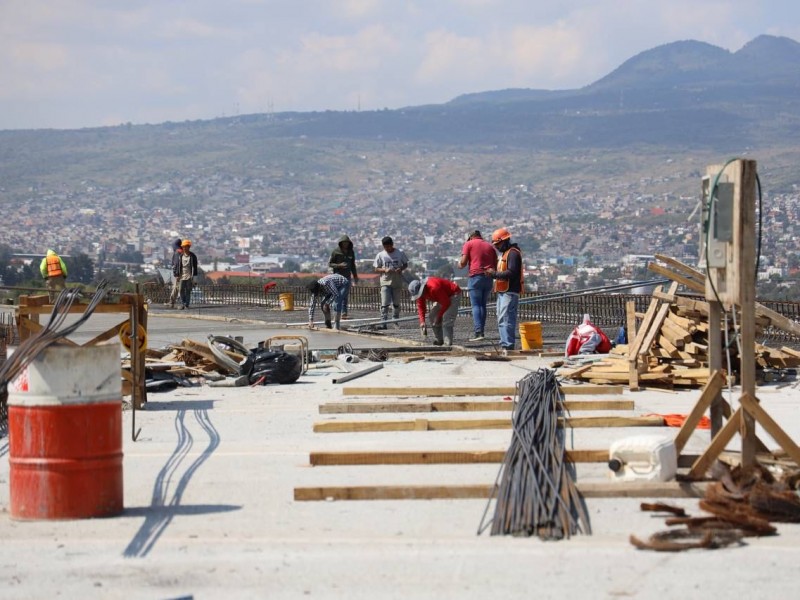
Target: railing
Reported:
[(558, 316)]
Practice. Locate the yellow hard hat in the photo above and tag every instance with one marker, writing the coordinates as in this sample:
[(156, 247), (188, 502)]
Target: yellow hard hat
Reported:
[(186, 243)]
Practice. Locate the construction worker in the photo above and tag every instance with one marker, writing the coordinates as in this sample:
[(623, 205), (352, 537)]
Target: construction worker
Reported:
[(479, 255), (343, 262), (587, 338), (327, 291), (176, 272), (186, 273), (508, 285), (390, 263), (54, 272), (446, 296)]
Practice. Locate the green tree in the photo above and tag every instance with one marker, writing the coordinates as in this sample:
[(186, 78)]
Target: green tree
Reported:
[(80, 268)]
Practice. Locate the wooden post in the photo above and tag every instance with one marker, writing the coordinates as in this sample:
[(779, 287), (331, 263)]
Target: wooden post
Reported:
[(744, 238)]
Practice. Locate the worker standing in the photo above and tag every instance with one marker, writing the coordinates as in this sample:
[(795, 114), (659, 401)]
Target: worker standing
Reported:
[(508, 285), (390, 263), (176, 272), (446, 296), (479, 255), (343, 262), (54, 272), (188, 271)]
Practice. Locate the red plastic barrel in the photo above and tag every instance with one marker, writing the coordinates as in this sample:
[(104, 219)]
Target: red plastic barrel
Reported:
[(65, 435)]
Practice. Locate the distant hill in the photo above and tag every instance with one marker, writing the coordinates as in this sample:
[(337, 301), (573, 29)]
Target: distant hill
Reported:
[(684, 96)]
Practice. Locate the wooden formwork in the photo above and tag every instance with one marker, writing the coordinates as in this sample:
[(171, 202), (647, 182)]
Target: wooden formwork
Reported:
[(134, 311)]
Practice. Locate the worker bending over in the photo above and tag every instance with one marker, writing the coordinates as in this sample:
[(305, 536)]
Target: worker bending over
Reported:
[(446, 296), (327, 291)]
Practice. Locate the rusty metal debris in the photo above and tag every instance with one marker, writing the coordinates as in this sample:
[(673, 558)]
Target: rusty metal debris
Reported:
[(743, 503)]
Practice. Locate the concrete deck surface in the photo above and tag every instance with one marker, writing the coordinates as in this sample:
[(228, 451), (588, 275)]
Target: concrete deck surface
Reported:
[(210, 510)]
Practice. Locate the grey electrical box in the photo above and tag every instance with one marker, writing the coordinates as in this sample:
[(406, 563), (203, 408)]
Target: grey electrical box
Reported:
[(723, 213)]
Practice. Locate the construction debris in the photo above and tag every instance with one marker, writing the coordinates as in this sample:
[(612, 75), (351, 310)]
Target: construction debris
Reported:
[(670, 345), (743, 503)]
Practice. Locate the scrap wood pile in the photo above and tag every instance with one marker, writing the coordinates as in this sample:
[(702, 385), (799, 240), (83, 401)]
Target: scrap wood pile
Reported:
[(743, 503), (219, 359), (668, 346)]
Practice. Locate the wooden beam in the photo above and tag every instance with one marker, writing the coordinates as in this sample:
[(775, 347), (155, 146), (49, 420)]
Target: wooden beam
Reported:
[(710, 391), (466, 424), (702, 464), (466, 406), (405, 392), (589, 489), (688, 282), (435, 457), (752, 406)]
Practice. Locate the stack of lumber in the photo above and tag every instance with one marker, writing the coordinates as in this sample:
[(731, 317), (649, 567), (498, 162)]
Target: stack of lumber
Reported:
[(668, 345)]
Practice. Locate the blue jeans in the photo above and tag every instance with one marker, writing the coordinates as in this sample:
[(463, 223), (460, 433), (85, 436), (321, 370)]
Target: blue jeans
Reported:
[(344, 295), (507, 304), (479, 287)]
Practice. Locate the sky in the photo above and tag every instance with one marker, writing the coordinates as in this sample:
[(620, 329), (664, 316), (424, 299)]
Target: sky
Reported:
[(68, 64)]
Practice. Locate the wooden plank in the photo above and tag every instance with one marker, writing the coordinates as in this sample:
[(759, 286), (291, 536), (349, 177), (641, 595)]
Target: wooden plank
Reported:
[(506, 390), (468, 424), (589, 489), (690, 283), (466, 406), (434, 457), (657, 323), (710, 391)]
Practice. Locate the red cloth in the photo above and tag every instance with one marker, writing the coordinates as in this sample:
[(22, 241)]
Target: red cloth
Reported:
[(676, 420), (436, 290)]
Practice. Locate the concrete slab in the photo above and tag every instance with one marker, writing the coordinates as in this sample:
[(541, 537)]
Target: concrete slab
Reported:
[(210, 510)]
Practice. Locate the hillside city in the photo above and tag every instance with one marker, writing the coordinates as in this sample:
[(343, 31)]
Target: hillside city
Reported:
[(588, 233)]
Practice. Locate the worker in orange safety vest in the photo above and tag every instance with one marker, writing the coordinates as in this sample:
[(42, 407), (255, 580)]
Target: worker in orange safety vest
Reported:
[(54, 272)]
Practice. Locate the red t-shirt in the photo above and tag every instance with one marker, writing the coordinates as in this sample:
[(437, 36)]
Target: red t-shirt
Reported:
[(436, 290), (481, 254)]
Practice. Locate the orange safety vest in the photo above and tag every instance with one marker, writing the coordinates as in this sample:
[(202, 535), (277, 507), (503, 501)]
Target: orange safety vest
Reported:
[(54, 266), (502, 285)]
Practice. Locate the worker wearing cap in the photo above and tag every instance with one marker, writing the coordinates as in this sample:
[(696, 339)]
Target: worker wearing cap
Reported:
[(328, 291), (446, 296), (508, 286), (54, 272), (187, 273)]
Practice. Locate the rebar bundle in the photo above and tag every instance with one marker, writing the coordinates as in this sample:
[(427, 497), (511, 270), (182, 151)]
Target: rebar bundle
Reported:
[(535, 491), (29, 349)]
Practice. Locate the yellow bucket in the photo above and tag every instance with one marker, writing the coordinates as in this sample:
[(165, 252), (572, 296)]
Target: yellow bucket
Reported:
[(286, 301), (530, 335)]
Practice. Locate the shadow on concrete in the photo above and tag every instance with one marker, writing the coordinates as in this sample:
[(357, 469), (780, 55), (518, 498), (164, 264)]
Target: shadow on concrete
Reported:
[(184, 405), (163, 508), (180, 510)]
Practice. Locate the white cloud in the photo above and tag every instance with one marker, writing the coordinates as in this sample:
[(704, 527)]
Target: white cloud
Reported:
[(81, 62)]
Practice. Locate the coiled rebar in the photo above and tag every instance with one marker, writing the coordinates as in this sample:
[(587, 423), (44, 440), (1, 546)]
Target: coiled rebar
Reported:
[(535, 491)]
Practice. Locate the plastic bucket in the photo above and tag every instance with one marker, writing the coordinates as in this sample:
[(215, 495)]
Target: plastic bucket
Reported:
[(530, 335), (286, 301), (65, 435)]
